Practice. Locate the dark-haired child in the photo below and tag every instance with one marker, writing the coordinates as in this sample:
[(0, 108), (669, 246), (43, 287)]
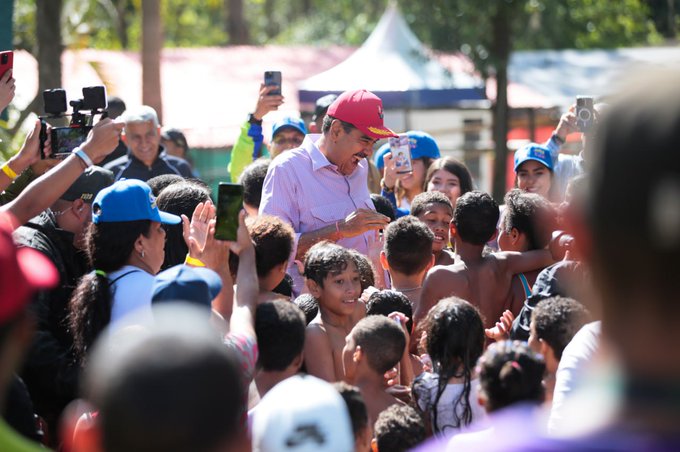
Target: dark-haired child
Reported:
[(332, 277), (554, 322), (280, 330), (273, 240), (252, 179), (484, 280), (435, 210), (509, 373), (447, 396), (399, 428), (375, 345), (527, 223), (309, 305), (407, 255), (386, 302), (357, 414)]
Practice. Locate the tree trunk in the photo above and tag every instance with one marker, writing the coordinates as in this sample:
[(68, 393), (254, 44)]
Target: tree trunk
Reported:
[(152, 43), (672, 32), (270, 28), (237, 28), (122, 22), (49, 43), (502, 46)]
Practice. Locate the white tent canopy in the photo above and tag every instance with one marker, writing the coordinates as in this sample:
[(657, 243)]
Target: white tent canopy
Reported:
[(393, 60)]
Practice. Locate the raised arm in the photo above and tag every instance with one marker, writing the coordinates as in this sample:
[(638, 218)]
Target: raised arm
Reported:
[(512, 262), (45, 190)]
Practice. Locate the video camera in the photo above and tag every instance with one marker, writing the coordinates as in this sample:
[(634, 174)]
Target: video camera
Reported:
[(65, 139)]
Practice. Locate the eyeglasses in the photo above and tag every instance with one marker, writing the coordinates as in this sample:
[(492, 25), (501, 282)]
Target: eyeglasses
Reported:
[(294, 141)]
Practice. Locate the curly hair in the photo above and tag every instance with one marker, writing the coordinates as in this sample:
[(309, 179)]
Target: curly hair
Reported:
[(455, 341), (399, 428), (325, 258), (510, 372), (475, 217), (530, 214), (557, 319)]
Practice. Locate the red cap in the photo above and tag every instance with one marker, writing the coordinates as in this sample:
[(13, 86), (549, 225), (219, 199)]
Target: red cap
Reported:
[(363, 110), (24, 270)]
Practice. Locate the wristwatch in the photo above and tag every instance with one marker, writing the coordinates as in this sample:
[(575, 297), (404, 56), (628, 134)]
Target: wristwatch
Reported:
[(557, 138), (253, 120), (384, 187)]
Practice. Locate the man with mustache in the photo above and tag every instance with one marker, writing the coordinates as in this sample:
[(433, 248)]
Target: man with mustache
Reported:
[(320, 188)]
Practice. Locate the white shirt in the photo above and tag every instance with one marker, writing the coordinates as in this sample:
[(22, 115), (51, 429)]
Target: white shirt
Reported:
[(131, 292)]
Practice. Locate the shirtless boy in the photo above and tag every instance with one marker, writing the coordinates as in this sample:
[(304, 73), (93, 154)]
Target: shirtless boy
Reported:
[(332, 278), (483, 280), (435, 210)]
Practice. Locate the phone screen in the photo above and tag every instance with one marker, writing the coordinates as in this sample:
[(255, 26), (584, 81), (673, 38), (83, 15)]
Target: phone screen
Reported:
[(273, 78), (229, 204), (65, 139), (401, 154), (6, 61)]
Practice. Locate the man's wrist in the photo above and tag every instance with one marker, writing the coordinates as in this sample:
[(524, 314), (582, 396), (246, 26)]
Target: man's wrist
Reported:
[(254, 119), (338, 229)]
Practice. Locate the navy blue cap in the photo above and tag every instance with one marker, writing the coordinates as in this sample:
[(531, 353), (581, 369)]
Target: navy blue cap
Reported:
[(128, 200), (184, 283)]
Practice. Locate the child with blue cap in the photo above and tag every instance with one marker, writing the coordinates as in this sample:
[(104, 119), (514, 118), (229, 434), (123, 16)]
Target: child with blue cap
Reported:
[(402, 188), (534, 169)]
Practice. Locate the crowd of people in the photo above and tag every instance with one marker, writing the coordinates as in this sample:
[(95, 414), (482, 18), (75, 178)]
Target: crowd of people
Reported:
[(359, 308)]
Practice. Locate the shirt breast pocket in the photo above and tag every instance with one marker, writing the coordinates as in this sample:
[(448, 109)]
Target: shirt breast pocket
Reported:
[(329, 213)]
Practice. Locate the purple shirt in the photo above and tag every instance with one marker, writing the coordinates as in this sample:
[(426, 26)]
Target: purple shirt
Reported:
[(306, 190)]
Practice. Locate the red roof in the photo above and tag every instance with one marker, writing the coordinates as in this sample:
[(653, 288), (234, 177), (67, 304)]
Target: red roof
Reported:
[(207, 92)]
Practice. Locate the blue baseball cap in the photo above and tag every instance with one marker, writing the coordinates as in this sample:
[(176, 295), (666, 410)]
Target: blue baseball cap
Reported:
[(128, 200), (289, 122), (422, 145), (533, 151), (184, 283), (379, 154)]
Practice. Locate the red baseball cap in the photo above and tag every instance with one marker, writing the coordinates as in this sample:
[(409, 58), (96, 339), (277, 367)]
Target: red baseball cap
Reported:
[(24, 271), (363, 110)]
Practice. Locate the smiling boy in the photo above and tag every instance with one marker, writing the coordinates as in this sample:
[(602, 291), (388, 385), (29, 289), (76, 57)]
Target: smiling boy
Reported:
[(332, 277)]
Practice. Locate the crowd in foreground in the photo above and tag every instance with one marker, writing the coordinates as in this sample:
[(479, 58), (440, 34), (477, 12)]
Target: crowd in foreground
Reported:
[(358, 307)]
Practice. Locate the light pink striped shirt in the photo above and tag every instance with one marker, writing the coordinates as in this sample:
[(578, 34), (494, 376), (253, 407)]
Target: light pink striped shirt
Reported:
[(303, 188)]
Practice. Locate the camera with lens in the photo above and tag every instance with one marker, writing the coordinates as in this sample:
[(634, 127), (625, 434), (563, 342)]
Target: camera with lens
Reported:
[(65, 139), (585, 118)]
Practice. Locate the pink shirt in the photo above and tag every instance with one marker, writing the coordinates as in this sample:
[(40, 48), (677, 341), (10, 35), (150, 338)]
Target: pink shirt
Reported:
[(303, 188)]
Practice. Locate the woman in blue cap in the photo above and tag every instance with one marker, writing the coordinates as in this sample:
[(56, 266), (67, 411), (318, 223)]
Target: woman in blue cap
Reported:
[(534, 169), (403, 188), (125, 244)]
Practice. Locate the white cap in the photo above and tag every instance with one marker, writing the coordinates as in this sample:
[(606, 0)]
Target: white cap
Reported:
[(302, 413)]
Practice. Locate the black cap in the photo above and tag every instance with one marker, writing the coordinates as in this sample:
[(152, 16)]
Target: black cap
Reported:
[(86, 187), (322, 104), (176, 136)]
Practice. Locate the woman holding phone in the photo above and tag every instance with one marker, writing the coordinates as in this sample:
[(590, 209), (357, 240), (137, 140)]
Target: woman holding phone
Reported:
[(125, 244), (402, 188)]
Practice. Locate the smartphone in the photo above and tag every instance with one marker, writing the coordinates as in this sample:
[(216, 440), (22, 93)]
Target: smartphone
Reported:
[(400, 148), (6, 61), (229, 204), (65, 139), (273, 78), (584, 113)]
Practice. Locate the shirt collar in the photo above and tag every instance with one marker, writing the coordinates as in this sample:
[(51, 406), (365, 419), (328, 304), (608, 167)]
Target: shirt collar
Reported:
[(319, 160)]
